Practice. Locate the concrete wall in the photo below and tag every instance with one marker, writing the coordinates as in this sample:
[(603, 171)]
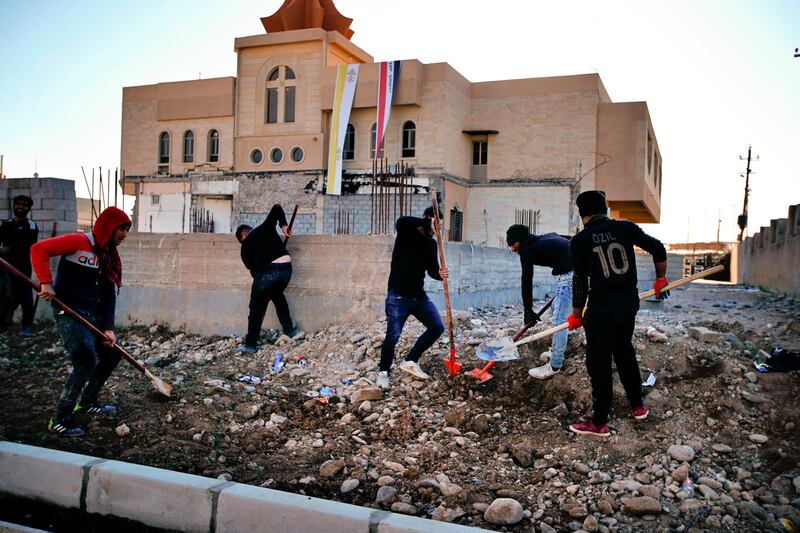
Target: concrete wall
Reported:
[(53, 201), (771, 257), (197, 281)]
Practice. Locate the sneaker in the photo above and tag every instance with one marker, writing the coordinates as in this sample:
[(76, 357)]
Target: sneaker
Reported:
[(414, 369), (65, 428), (543, 372), (640, 413), (383, 379), (95, 409), (244, 348), (26, 331), (590, 428)]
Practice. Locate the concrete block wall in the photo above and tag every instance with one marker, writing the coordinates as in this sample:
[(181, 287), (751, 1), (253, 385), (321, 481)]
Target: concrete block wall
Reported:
[(183, 502), (53, 201), (770, 258), (360, 208), (304, 223)]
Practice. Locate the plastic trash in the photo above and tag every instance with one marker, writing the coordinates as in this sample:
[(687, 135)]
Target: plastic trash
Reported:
[(687, 487), (650, 381), (347, 381), (301, 360), (251, 379), (327, 392), (278, 364), (787, 524), (312, 394)]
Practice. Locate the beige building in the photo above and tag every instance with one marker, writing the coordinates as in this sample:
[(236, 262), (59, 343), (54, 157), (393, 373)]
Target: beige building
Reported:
[(225, 149)]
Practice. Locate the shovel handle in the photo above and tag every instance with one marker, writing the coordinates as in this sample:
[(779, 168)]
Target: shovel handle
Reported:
[(643, 296), (291, 221), (64, 307), (530, 324)]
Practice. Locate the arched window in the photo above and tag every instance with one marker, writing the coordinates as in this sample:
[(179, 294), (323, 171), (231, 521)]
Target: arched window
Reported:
[(349, 150), (188, 147), (213, 146), (372, 135), (409, 139), (163, 153), (281, 92)]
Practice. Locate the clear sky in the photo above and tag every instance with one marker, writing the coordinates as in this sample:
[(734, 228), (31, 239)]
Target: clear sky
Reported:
[(717, 75)]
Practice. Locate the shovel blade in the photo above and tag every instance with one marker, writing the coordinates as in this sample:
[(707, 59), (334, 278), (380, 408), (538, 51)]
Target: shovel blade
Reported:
[(481, 375), (500, 349), (453, 366)]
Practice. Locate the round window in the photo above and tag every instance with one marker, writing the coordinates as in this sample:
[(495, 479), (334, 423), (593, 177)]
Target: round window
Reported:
[(297, 154), (256, 156), (276, 155)]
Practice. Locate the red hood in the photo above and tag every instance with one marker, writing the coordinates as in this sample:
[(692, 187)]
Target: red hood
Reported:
[(109, 220)]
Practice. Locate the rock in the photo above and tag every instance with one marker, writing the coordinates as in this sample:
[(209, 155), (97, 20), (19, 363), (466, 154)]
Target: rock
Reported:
[(707, 492), (481, 423), (385, 480), (550, 473), (122, 430), (454, 418), (446, 487), (349, 418), (650, 490), (386, 495), (331, 468), (349, 485), (596, 477), (544, 527), (444, 514), (590, 524), (581, 468), (573, 509), (690, 505), (523, 453), (480, 506), (758, 438), (751, 377), (796, 483), (504, 512), (404, 508), (656, 336), (704, 334), (681, 453), (641, 505), (751, 397), (708, 482), (225, 477), (680, 473), (365, 394), (721, 448), (247, 410), (605, 507), (394, 467)]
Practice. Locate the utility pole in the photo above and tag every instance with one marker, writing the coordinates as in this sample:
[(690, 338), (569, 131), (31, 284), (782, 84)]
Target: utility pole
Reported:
[(719, 223), (1, 167), (743, 217)]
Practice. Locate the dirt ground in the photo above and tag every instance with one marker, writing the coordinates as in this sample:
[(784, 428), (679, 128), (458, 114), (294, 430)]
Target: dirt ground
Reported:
[(448, 448)]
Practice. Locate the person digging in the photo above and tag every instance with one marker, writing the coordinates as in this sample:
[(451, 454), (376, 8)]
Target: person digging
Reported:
[(265, 256), (88, 279), (413, 255), (605, 271), (550, 250), (17, 235)]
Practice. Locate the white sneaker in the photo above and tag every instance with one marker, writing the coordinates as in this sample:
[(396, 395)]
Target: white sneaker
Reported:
[(414, 369), (383, 379), (543, 372)]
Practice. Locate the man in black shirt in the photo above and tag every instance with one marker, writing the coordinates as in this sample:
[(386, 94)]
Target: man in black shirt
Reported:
[(550, 250), (17, 235), (414, 254), (603, 259), (265, 256)]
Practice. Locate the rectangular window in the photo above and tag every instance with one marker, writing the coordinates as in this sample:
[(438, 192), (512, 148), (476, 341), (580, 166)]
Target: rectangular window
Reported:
[(288, 104), (349, 148), (155, 199), (456, 223), (188, 149), (163, 169), (480, 152), (272, 106), (409, 142)]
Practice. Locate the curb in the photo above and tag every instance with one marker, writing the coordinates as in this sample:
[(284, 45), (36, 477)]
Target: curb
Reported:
[(186, 502)]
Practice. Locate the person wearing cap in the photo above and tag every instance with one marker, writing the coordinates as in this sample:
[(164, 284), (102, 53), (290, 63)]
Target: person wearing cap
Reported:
[(549, 250), (17, 235), (414, 254), (88, 278), (605, 272)]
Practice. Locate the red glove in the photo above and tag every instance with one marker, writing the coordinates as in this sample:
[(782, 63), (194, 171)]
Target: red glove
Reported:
[(574, 322), (659, 284)]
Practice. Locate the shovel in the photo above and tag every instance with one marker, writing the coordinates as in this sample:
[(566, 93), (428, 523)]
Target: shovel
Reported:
[(510, 351), (291, 221), (488, 350), (453, 366), (160, 385)]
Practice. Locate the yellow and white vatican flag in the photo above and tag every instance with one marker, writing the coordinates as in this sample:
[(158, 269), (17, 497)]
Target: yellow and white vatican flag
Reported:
[(346, 79)]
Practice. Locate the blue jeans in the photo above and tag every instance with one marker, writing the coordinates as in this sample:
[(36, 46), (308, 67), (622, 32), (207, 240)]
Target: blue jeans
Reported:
[(268, 285), (562, 307), (398, 309)]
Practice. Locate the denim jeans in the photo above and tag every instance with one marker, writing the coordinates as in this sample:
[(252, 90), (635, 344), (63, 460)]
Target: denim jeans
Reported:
[(92, 362), (562, 307), (398, 309), (268, 285)]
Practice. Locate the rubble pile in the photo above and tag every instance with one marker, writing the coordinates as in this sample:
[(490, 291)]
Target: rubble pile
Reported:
[(718, 452)]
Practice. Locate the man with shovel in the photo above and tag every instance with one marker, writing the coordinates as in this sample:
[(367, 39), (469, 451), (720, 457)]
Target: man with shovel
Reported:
[(603, 258), (414, 254), (88, 278), (549, 250)]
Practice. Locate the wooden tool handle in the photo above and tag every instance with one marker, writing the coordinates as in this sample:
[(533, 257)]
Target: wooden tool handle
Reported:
[(643, 296), (533, 322), (442, 264), (291, 222), (85, 323)]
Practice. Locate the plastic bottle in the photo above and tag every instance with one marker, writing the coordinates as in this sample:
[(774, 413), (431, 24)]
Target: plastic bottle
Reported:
[(687, 487), (278, 364)]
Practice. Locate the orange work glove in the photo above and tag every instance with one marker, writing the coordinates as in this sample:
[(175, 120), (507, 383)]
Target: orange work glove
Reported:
[(574, 322), (659, 284)]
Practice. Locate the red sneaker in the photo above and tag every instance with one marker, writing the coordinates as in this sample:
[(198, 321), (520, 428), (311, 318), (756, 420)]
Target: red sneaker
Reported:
[(590, 428), (640, 413)]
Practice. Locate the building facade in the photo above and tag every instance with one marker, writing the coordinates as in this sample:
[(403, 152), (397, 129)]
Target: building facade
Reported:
[(206, 155)]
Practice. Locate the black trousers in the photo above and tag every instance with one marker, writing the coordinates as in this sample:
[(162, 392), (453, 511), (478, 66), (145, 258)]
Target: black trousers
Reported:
[(15, 293), (609, 335), (268, 285)]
